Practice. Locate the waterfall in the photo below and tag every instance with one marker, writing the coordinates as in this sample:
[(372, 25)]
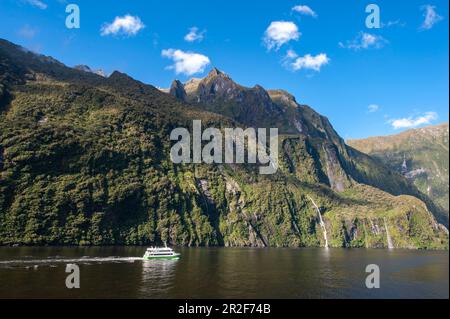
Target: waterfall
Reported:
[(322, 224), (389, 241), (365, 235)]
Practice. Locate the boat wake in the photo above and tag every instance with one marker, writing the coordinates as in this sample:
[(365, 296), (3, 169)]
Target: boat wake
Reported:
[(59, 260)]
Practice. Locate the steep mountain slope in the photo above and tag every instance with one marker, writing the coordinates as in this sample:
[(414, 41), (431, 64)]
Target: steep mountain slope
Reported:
[(339, 165), (421, 155), (85, 160)]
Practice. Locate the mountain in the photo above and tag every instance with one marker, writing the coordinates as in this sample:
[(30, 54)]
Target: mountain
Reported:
[(84, 160), (340, 164), (421, 155), (86, 68), (218, 93)]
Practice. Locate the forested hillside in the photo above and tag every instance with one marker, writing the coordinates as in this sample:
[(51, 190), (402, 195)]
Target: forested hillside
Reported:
[(84, 160)]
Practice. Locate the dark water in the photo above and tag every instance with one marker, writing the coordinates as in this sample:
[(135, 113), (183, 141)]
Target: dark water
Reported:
[(112, 272)]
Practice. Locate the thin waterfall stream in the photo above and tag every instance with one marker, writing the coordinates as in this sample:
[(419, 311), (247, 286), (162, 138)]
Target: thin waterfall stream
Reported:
[(388, 236), (322, 224)]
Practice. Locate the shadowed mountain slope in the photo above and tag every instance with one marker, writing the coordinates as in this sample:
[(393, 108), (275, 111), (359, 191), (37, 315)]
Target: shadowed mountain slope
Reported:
[(85, 160)]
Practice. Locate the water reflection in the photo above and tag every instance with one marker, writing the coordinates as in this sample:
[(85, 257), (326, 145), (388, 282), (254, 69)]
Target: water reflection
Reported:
[(114, 272), (157, 277)]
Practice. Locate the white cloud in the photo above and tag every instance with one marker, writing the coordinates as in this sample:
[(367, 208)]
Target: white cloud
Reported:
[(127, 25), (27, 32), (411, 122), (295, 62), (393, 23), (364, 41), (186, 62), (37, 3), (431, 17), (291, 54), (373, 108), (279, 33), (302, 9), (194, 35)]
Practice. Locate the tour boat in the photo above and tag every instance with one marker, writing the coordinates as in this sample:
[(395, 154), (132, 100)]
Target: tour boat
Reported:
[(160, 253)]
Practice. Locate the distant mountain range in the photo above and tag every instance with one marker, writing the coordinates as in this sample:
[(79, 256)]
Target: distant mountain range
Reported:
[(84, 160), (421, 155)]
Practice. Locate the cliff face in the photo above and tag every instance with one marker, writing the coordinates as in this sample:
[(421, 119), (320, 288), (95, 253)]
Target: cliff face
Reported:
[(337, 165), (85, 160), (420, 155)]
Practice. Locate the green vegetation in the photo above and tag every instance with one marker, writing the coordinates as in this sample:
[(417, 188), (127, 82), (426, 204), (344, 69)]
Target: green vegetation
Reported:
[(84, 160), (425, 153)]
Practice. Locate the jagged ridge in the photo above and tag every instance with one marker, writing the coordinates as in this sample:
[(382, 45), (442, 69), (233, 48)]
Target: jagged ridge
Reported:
[(84, 160)]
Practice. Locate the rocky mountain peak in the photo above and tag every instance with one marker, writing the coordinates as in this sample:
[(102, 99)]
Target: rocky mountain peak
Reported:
[(82, 67), (100, 72), (283, 97), (259, 88), (215, 75), (215, 72), (252, 106), (123, 80), (177, 90), (86, 68), (312, 161)]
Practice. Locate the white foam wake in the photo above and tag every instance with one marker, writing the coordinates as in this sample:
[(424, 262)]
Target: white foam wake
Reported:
[(81, 260)]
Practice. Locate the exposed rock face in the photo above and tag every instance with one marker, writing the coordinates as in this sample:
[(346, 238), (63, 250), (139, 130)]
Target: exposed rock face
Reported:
[(85, 161), (217, 92), (283, 97), (257, 107), (83, 68), (232, 186), (86, 68), (337, 177), (177, 90), (100, 72), (191, 86), (421, 155)]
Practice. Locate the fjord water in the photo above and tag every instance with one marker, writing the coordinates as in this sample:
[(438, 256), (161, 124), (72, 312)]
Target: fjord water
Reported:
[(118, 272)]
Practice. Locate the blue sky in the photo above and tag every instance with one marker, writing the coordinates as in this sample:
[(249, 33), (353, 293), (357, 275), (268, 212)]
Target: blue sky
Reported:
[(366, 81)]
